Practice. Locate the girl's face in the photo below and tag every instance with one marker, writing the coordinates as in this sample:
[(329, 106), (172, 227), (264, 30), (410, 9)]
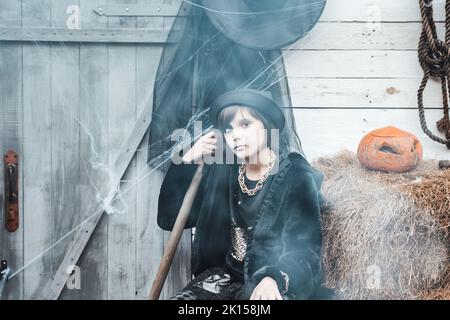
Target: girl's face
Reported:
[(245, 135)]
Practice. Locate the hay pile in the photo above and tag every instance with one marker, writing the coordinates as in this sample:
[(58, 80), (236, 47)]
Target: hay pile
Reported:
[(386, 235)]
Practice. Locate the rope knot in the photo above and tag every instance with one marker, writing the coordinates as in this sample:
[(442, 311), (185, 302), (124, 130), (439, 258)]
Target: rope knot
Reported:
[(434, 57), (437, 61)]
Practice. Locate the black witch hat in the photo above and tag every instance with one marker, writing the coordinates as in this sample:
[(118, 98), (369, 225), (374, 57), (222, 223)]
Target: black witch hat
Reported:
[(263, 24)]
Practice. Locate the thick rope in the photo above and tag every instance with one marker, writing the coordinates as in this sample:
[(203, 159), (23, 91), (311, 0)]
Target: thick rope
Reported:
[(434, 57)]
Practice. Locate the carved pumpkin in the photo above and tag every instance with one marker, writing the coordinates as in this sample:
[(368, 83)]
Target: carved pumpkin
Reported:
[(390, 149)]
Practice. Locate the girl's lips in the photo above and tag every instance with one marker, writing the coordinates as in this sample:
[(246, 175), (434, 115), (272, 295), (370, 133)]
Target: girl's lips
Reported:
[(239, 147)]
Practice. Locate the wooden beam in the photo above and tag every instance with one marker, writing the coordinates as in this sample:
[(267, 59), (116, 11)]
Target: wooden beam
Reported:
[(84, 35), (76, 247), (138, 10)]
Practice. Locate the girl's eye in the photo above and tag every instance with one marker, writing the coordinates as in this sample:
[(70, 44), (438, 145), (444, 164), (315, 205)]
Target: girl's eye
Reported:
[(246, 124)]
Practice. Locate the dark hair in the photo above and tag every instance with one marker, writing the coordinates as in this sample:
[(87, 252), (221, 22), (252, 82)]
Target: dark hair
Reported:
[(227, 114)]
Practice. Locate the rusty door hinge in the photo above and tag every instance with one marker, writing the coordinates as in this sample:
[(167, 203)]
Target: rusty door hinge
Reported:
[(11, 191)]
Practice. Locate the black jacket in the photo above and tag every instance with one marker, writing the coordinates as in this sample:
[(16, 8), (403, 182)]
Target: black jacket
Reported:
[(287, 235)]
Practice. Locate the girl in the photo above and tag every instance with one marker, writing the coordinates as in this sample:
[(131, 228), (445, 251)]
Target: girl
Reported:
[(258, 230)]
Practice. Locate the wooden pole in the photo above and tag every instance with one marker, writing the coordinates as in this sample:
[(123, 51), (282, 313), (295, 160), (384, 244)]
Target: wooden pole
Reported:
[(186, 206), (175, 235)]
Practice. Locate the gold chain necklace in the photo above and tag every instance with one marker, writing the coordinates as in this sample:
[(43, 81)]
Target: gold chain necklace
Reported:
[(259, 184)]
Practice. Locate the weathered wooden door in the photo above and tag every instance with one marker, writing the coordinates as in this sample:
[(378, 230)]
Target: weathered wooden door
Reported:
[(73, 84)]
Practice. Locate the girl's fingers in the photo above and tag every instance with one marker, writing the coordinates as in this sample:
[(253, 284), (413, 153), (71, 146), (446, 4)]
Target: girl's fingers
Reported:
[(207, 137), (256, 295), (208, 151), (278, 296), (210, 140), (210, 134), (209, 146)]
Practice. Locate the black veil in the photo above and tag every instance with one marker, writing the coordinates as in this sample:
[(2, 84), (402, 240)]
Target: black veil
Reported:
[(215, 46)]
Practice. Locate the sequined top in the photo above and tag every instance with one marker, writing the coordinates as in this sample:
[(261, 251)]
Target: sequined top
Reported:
[(243, 213)]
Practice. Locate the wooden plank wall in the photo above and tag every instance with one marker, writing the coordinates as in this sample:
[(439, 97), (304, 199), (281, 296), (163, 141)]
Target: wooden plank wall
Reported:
[(66, 109), (37, 153), (358, 70)]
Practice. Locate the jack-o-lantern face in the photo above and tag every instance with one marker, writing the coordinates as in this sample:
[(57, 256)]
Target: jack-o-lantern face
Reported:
[(390, 149)]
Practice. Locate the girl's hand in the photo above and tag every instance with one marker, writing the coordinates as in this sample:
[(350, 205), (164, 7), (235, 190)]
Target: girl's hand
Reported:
[(267, 289), (205, 145)]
